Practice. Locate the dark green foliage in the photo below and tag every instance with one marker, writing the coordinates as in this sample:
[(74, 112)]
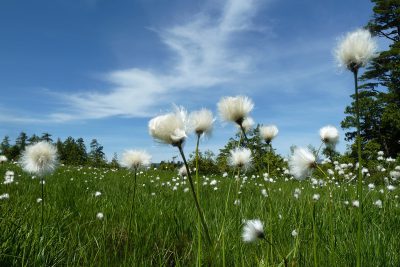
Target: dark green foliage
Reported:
[(380, 98), (262, 153), (207, 162), (96, 155)]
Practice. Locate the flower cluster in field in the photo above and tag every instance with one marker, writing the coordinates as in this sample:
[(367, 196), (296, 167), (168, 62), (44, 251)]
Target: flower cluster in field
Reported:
[(251, 170)]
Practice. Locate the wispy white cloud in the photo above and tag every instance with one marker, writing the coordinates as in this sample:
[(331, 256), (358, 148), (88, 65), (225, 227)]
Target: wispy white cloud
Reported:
[(203, 57)]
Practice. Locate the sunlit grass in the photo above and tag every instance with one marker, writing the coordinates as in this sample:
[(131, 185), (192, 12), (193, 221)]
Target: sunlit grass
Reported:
[(165, 230)]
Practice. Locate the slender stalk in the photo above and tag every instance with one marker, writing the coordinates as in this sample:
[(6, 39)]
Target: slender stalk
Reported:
[(41, 238), (244, 134), (314, 239), (268, 156), (276, 250), (131, 214), (330, 207), (359, 185), (42, 207), (237, 198), (203, 221), (198, 195)]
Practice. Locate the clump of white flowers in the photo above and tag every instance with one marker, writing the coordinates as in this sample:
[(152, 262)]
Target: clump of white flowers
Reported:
[(4, 196), (301, 163), (235, 109), (170, 128), (201, 122), (40, 158), (240, 157), (134, 159), (268, 132), (329, 135), (356, 49), (9, 177), (100, 216), (253, 230)]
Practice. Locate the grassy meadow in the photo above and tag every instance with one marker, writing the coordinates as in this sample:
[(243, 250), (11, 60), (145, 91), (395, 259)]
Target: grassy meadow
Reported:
[(303, 229)]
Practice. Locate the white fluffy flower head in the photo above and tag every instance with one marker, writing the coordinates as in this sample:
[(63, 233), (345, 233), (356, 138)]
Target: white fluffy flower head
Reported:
[(248, 124), (235, 109), (268, 132), (169, 128), (240, 157), (329, 135), (201, 121), (253, 230), (3, 158), (134, 159), (301, 163), (40, 158), (356, 49), (182, 171)]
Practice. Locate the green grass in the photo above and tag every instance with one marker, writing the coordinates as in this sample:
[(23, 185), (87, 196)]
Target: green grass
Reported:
[(164, 233)]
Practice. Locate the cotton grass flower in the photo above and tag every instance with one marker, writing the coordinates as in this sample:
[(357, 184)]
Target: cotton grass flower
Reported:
[(295, 233), (100, 216), (316, 197), (3, 159), (201, 122), (40, 158), (134, 159), (170, 128), (378, 203), (253, 230), (235, 109), (4, 196), (355, 50), (268, 132), (248, 124), (240, 157), (301, 163), (329, 135), (183, 171)]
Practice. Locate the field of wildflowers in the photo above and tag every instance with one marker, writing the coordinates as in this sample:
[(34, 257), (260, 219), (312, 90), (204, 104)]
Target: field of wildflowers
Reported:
[(314, 211)]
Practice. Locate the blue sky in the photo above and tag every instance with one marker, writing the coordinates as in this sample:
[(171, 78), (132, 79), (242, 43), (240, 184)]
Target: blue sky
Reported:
[(101, 69)]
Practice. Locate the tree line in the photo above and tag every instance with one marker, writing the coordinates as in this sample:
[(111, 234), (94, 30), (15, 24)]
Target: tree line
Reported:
[(71, 151)]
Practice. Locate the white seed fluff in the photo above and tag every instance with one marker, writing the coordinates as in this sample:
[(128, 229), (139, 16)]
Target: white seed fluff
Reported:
[(235, 109), (240, 157), (301, 163), (133, 159), (356, 49), (169, 128), (40, 158), (252, 230), (268, 132), (329, 135), (201, 121)]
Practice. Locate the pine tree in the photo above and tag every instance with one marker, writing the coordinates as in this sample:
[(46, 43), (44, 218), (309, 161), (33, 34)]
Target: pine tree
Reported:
[(96, 155), (46, 137), (380, 98)]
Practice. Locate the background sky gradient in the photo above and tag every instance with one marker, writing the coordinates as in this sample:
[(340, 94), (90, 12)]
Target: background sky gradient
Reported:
[(101, 69)]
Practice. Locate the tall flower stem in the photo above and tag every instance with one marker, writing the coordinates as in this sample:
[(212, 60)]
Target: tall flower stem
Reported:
[(41, 238), (314, 238), (244, 134), (42, 207), (198, 195), (203, 221), (269, 155), (359, 184), (131, 213)]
